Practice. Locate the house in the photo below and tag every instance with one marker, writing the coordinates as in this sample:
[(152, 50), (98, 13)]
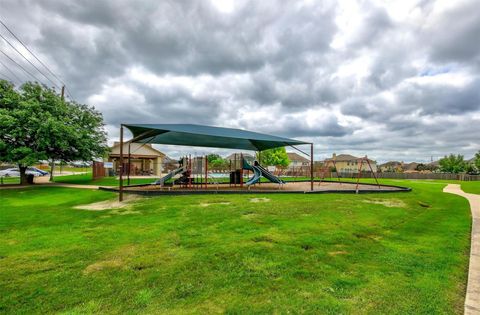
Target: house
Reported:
[(411, 167), (248, 157), (346, 163), (391, 166), (169, 164), (144, 159), (296, 160)]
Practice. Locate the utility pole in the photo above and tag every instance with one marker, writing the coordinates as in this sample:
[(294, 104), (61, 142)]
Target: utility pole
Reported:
[(63, 92)]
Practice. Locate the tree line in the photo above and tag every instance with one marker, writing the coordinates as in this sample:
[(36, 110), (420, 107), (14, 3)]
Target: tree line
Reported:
[(36, 123), (457, 164)]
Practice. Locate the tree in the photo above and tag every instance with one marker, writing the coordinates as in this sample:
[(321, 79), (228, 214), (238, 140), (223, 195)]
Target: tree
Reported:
[(476, 161), (37, 124), (274, 157), (452, 164), (216, 161), (212, 157)]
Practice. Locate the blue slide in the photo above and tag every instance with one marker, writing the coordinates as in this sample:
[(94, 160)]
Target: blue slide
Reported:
[(269, 176), (162, 180), (258, 172)]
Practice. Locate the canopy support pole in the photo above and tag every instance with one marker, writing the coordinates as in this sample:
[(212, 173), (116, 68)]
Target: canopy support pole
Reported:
[(206, 171), (129, 167), (311, 166), (241, 170), (120, 183), (292, 146)]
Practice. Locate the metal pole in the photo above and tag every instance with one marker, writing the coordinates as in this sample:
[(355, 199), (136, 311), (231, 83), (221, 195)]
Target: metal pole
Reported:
[(311, 166), (206, 171), (359, 175), (241, 170), (120, 183), (190, 171), (374, 175), (129, 166)]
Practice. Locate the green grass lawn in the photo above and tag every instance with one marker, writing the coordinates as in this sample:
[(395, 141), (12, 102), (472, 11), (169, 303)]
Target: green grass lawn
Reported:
[(400, 253), (86, 179), (9, 180), (472, 187)]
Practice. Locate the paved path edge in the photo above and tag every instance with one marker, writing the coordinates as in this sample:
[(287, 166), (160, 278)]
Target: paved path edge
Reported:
[(472, 298)]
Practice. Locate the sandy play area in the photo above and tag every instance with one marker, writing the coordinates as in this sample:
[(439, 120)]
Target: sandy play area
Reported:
[(290, 187)]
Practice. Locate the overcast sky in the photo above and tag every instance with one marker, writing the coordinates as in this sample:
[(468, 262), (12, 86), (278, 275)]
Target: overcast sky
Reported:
[(396, 80)]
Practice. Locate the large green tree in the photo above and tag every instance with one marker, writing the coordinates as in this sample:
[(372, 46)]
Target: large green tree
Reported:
[(476, 161), (37, 124), (216, 161), (452, 164), (274, 157)]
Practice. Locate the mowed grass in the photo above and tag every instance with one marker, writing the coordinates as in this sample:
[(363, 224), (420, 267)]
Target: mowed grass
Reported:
[(400, 253), (86, 179), (472, 187)]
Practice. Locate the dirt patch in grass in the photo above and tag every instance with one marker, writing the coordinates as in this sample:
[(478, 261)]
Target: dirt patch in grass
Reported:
[(249, 215), (207, 204), (109, 204), (98, 266), (259, 200), (117, 260), (338, 252), (124, 212), (390, 203), (263, 238)]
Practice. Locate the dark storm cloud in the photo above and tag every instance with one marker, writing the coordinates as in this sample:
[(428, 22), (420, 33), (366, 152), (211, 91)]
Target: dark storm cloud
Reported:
[(382, 83), (442, 99), (453, 36)]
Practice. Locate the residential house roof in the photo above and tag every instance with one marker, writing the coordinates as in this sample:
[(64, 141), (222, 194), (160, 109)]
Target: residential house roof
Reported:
[(391, 164), (410, 166), (345, 158), (292, 156), (246, 156), (135, 149)]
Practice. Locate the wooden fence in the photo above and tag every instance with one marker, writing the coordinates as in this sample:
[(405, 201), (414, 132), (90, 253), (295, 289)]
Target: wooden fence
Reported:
[(98, 170), (444, 176)]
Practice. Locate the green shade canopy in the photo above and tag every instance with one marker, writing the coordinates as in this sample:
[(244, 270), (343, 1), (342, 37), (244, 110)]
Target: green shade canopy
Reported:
[(207, 136)]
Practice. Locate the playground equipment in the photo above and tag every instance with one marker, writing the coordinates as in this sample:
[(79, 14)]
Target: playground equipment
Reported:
[(194, 173), (258, 172), (169, 176), (363, 160)]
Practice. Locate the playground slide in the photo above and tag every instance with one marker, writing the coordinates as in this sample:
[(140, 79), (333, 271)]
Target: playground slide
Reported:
[(257, 174), (269, 176), (162, 180)]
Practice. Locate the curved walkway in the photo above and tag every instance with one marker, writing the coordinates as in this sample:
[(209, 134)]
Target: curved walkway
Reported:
[(472, 300)]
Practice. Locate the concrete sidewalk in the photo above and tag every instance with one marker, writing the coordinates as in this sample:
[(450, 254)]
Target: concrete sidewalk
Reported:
[(472, 300)]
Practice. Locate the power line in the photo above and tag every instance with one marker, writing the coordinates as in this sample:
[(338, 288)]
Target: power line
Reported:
[(68, 92), (8, 42), (38, 59), (13, 73), (6, 76), (35, 56), (19, 65)]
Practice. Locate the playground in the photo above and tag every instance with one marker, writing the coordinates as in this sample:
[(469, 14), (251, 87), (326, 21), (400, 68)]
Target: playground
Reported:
[(192, 176)]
